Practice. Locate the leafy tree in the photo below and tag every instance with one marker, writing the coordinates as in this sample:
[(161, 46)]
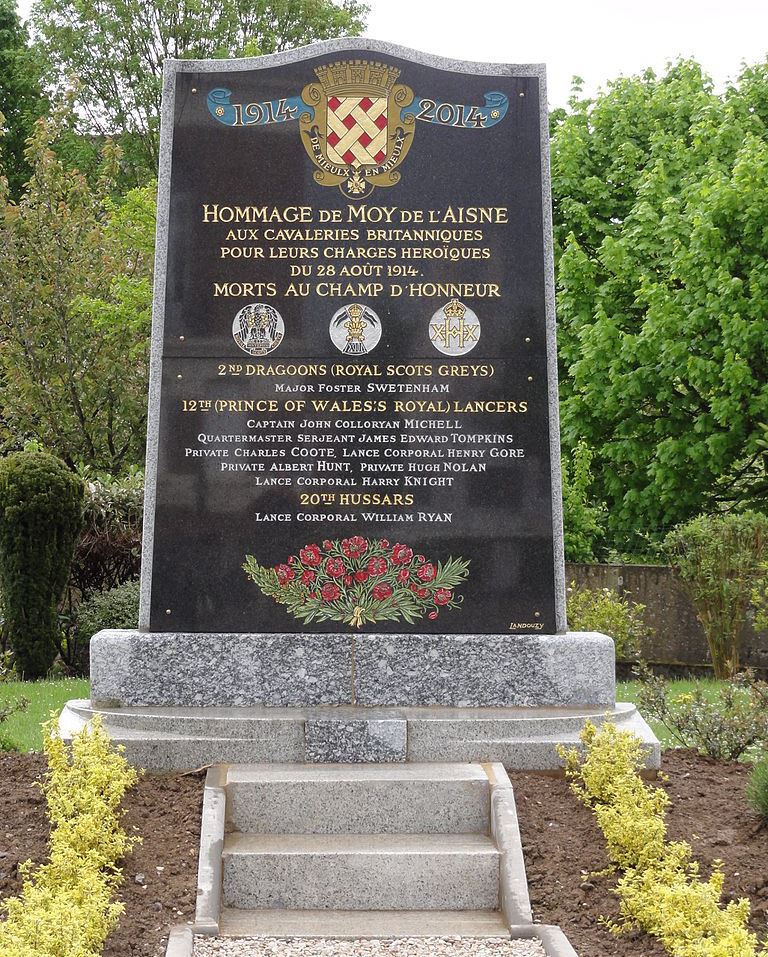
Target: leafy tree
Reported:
[(117, 49), (583, 519), (661, 199), (75, 305), (21, 99)]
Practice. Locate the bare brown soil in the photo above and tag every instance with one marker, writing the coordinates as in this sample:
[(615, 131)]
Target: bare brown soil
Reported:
[(160, 875), (564, 849)]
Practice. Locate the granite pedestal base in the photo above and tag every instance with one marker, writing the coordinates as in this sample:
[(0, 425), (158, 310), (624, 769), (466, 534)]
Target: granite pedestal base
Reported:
[(181, 701), (369, 670)]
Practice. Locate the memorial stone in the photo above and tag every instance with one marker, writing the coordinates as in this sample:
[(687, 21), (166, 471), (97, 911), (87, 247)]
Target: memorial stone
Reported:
[(353, 472)]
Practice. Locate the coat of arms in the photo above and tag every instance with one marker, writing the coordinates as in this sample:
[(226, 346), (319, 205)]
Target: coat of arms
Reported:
[(357, 122), (357, 137)]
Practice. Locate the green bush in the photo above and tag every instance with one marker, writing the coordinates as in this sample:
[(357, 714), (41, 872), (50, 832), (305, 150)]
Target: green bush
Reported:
[(604, 610), (108, 550), (720, 561), (757, 789), (724, 725), (116, 608), (41, 504)]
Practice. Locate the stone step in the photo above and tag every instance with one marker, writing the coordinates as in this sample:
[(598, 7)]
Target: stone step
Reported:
[(362, 924), (160, 738), (358, 799), (360, 872)]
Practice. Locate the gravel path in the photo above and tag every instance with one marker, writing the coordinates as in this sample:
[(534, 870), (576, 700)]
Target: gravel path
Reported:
[(328, 947)]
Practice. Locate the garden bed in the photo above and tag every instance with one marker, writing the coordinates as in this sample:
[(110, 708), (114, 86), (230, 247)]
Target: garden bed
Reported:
[(160, 882), (563, 848)]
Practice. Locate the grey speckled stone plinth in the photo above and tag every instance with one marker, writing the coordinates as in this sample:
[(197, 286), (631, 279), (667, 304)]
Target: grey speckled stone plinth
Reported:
[(295, 670), (194, 670), (332, 741), (486, 671)]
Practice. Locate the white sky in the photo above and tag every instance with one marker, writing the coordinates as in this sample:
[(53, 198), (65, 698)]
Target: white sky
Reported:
[(595, 39)]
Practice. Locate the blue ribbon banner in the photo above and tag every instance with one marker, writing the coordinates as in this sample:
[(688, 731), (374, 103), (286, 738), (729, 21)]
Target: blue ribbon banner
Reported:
[(255, 114), (459, 114), (289, 108)]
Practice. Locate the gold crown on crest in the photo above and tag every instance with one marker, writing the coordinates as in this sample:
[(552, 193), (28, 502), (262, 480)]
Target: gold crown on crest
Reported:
[(455, 309), (354, 311), (357, 76)]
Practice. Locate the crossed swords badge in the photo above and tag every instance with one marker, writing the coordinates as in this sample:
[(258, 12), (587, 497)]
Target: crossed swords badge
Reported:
[(357, 122)]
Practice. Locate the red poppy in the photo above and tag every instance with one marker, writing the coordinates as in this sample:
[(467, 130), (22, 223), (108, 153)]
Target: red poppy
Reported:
[(427, 572), (327, 544), (285, 574), (354, 547), (422, 592), (384, 543), (348, 580), (377, 566), (443, 596), (432, 615), (403, 575), (380, 592), (361, 576), (335, 567), (310, 555), (307, 577), (401, 554), (420, 559), (330, 591)]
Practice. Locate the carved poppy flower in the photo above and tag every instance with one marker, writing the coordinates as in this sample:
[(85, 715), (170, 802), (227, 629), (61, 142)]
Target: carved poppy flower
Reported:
[(310, 555), (380, 592), (307, 577), (361, 576), (443, 596), (335, 567), (401, 554), (377, 566), (427, 572), (354, 547), (330, 591), (285, 574)]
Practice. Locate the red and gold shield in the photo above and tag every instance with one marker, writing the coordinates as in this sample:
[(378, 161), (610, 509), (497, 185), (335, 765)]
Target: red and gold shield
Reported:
[(355, 133), (357, 130)]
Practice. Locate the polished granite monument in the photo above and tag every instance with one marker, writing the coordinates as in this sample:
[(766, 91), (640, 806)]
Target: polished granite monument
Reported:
[(353, 545)]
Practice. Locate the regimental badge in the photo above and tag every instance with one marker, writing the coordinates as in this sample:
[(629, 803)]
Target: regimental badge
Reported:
[(258, 329), (355, 329), (455, 329), (357, 122)]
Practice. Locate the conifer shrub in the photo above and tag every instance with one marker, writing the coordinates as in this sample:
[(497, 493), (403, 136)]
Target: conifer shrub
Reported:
[(41, 504)]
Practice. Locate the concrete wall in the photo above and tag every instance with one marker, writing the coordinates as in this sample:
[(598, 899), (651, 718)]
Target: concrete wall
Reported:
[(678, 639)]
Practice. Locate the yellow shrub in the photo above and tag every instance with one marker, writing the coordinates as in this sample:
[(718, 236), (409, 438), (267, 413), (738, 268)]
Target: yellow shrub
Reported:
[(65, 908), (660, 889)]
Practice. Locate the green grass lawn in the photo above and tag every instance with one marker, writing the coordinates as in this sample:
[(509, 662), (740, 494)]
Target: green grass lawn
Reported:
[(23, 731), (627, 691)]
